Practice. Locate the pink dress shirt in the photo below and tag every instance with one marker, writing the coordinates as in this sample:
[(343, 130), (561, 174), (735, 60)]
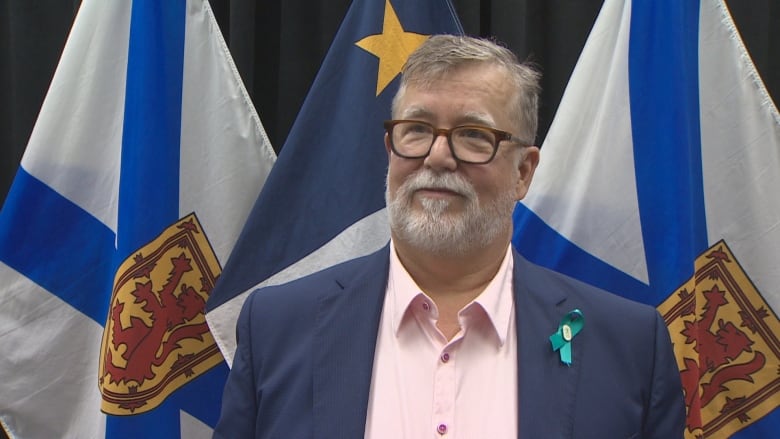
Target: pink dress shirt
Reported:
[(424, 386)]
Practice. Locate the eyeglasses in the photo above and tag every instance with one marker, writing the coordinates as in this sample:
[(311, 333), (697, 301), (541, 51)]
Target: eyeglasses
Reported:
[(475, 144)]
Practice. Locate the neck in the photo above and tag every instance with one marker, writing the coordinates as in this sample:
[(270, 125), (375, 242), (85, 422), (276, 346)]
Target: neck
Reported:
[(452, 281)]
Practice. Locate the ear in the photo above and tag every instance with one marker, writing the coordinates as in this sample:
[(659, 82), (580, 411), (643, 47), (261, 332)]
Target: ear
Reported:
[(387, 144), (526, 168)]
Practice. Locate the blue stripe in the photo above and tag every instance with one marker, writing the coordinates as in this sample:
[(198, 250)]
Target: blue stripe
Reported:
[(663, 87), (540, 243), (149, 184), (200, 398), (766, 427), (66, 251)]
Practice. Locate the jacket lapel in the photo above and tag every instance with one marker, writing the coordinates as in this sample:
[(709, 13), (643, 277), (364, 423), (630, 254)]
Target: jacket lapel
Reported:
[(345, 340), (546, 386)]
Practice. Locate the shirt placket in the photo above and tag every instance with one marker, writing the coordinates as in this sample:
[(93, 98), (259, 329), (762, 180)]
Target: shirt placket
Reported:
[(445, 385)]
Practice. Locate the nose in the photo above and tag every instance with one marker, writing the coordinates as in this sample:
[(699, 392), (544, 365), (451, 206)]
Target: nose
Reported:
[(440, 157)]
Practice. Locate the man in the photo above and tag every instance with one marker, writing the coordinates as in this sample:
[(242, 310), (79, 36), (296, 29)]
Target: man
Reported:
[(446, 332)]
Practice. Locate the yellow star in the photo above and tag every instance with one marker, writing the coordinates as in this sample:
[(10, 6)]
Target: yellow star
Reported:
[(392, 47)]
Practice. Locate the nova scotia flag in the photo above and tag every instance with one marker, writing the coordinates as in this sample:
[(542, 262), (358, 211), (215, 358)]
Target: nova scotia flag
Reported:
[(139, 174), (658, 182), (324, 201)]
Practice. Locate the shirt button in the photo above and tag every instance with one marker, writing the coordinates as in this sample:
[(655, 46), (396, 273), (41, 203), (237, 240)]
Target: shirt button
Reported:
[(426, 306), (445, 357), (442, 429)]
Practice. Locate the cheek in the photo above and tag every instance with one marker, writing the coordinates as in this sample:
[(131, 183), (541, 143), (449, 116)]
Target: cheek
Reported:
[(399, 170), (500, 183)]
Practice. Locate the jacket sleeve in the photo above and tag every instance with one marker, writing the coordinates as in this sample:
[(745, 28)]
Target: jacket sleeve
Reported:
[(666, 408), (240, 398)]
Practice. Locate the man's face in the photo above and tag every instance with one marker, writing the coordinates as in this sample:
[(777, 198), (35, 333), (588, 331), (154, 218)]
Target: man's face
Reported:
[(443, 206)]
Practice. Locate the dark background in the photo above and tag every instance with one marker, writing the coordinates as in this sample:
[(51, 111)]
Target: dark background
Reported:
[(278, 46)]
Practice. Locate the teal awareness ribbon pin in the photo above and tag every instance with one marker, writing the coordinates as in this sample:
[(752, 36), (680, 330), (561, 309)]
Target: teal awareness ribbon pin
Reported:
[(570, 325)]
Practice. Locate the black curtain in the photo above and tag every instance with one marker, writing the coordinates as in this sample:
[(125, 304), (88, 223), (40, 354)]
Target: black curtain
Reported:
[(278, 46)]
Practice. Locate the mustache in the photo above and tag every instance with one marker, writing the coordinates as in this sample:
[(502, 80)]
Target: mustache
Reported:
[(427, 179)]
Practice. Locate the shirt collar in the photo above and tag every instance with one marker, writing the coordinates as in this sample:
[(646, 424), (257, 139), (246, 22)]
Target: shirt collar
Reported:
[(496, 300)]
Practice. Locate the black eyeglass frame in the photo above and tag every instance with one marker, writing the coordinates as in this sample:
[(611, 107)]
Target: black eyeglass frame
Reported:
[(447, 132)]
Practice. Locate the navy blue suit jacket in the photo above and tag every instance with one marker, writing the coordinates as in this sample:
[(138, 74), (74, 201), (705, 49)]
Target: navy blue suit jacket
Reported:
[(305, 354)]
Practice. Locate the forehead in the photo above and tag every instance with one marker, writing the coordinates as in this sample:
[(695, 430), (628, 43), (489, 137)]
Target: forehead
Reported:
[(477, 88)]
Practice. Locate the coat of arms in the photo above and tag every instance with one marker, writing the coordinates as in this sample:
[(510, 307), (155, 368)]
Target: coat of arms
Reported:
[(156, 338), (726, 343)]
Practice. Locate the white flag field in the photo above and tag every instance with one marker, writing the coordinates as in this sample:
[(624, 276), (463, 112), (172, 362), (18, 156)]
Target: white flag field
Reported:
[(140, 172)]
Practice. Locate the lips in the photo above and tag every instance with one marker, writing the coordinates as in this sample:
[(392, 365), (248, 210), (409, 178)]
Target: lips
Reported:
[(438, 192), (435, 185)]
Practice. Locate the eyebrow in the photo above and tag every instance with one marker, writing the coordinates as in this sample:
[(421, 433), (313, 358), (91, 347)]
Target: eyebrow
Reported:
[(475, 118), (416, 113)]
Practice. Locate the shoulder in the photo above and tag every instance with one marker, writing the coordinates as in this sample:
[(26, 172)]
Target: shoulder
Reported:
[(620, 335), (620, 330), (298, 295)]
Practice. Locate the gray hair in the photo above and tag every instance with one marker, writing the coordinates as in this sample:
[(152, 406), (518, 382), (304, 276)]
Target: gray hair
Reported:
[(441, 54)]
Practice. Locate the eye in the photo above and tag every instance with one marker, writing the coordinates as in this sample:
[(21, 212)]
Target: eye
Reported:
[(416, 128), (475, 134)]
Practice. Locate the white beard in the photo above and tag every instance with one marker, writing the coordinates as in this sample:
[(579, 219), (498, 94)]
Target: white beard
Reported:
[(436, 229)]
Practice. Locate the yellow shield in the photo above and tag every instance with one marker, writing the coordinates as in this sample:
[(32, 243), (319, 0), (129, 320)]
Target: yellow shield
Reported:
[(726, 343), (156, 338)]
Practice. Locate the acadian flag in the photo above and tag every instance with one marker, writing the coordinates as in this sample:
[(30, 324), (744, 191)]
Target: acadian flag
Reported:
[(140, 172), (658, 181), (324, 200)]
